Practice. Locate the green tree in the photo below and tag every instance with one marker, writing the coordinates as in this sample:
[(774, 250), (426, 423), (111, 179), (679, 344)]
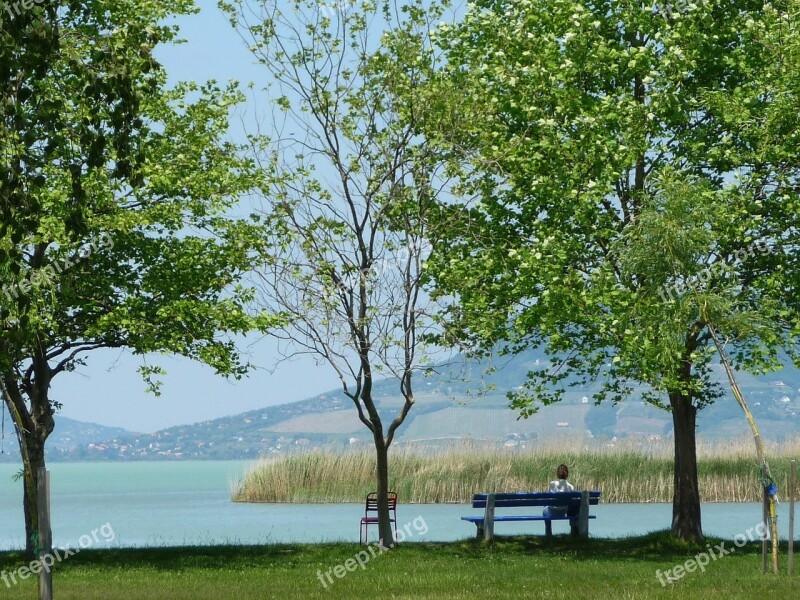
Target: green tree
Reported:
[(347, 195), (576, 120), (114, 193)]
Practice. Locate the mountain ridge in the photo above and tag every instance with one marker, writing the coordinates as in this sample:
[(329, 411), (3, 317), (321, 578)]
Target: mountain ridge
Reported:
[(449, 409)]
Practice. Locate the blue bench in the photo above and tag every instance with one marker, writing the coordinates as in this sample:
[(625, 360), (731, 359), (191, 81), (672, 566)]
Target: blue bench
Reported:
[(576, 505)]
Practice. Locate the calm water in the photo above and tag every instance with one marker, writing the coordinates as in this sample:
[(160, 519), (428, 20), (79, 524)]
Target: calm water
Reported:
[(156, 504)]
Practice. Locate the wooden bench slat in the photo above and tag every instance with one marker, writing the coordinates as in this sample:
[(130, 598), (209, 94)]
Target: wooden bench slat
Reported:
[(538, 494), (508, 500), (524, 518), (534, 495), (543, 502)]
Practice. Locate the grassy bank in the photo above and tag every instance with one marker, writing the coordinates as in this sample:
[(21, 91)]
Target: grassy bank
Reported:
[(558, 568), (727, 473)]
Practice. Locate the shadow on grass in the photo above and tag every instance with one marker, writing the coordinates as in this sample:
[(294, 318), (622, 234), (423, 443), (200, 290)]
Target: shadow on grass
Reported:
[(656, 546), (183, 557)]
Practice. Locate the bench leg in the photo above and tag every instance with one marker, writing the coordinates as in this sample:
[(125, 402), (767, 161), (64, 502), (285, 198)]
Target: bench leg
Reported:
[(548, 528), (480, 530), (488, 518), (583, 515)]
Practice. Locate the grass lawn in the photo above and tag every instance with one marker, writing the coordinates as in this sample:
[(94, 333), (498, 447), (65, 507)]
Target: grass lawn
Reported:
[(529, 567)]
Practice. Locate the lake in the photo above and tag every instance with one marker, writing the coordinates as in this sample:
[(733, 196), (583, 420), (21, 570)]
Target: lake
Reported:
[(188, 503)]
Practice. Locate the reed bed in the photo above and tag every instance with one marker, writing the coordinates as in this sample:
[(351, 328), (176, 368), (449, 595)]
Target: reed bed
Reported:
[(624, 472)]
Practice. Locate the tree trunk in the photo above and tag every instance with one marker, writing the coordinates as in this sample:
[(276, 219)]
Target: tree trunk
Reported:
[(33, 426), (385, 529), (35, 454), (686, 523)]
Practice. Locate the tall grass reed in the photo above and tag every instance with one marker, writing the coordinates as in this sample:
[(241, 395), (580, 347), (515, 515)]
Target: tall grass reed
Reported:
[(624, 471)]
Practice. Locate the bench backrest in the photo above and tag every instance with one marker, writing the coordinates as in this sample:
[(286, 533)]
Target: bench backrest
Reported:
[(569, 499)]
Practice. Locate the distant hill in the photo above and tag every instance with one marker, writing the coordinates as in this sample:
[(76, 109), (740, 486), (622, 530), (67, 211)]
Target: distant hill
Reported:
[(458, 403), (68, 438)]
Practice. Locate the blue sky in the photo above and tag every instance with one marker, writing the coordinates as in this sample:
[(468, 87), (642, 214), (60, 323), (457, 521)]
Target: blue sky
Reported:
[(108, 390)]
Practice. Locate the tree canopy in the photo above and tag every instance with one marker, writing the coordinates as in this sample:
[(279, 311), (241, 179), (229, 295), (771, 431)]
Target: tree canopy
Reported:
[(116, 194), (616, 148), (347, 191)]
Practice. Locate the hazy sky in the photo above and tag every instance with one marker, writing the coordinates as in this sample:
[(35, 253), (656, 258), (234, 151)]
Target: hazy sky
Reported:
[(108, 390)]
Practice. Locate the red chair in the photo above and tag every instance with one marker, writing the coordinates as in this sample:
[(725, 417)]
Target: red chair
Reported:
[(372, 507)]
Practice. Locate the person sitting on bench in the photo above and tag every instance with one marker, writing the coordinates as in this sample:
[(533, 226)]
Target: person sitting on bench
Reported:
[(559, 485)]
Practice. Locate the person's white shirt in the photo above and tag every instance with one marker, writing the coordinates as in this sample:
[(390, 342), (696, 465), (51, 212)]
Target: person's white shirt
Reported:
[(559, 485)]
